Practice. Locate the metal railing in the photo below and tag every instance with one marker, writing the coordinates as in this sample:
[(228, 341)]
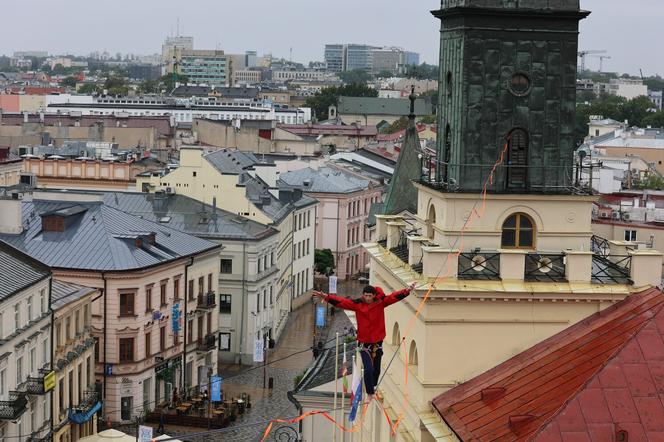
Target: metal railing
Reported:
[(599, 246), (206, 301), (206, 344), (543, 267), (14, 407), (479, 266), (88, 401), (611, 269)]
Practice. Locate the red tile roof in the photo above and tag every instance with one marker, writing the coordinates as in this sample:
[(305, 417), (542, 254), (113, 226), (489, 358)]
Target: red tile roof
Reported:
[(600, 376)]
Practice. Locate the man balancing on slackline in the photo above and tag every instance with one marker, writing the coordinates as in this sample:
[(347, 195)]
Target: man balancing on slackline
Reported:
[(370, 313)]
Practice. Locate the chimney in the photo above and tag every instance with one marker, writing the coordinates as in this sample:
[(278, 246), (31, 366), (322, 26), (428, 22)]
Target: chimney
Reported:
[(11, 219), (25, 117)]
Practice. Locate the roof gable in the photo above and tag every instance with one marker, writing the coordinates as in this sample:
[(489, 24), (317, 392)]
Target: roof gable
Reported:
[(519, 397)]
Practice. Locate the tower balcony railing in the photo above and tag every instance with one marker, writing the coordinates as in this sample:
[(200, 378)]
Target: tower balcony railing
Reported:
[(479, 266), (13, 408), (545, 267)]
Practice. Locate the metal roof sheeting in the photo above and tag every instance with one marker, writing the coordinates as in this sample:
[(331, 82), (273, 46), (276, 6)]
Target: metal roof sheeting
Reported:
[(18, 272)]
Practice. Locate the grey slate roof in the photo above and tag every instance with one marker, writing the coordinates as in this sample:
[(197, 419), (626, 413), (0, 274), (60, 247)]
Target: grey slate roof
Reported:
[(324, 180), (381, 106), (63, 293), (101, 238), (257, 191), (18, 271), (402, 194), (231, 162), (188, 215)]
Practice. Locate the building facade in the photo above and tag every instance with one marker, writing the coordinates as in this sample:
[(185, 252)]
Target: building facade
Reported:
[(211, 67), (150, 275), (77, 394), (26, 374)]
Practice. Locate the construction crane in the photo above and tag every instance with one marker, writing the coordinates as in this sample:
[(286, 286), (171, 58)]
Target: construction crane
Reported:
[(582, 56), (601, 60)]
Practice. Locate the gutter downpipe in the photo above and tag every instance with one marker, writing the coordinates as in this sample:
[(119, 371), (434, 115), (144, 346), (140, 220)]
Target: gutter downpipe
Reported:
[(50, 308), (184, 337), (103, 277), (244, 298)]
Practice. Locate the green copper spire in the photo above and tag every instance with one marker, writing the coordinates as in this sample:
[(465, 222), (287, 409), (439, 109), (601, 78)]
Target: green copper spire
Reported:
[(402, 194)]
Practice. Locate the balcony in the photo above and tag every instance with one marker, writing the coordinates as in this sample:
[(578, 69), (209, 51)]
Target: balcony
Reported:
[(43, 434), (14, 407), (35, 385), (479, 266), (549, 267), (205, 344), (89, 405), (206, 301)]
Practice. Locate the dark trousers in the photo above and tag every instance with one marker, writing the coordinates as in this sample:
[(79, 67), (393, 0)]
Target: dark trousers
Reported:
[(371, 355)]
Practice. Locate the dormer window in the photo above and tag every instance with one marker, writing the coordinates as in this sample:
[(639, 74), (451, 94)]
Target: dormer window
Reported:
[(53, 224)]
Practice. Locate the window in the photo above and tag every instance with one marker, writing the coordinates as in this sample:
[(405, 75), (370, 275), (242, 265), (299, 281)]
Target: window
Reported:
[(162, 294), (226, 266), (520, 84), (148, 345), (162, 339), (412, 354), (126, 304), (201, 286), (77, 322), (126, 350), (271, 295), (19, 370), (67, 328), (630, 235), (225, 303), (17, 316), (190, 329), (29, 308), (125, 408), (42, 301), (86, 316), (518, 232), (33, 361), (3, 382), (96, 348), (396, 335), (448, 83), (210, 290), (258, 302), (517, 158), (148, 299), (176, 288), (190, 289), (264, 298)]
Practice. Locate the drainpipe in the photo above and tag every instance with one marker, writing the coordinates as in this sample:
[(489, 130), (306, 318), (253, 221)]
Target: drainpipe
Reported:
[(184, 337), (292, 290), (103, 277), (244, 298), (50, 309)]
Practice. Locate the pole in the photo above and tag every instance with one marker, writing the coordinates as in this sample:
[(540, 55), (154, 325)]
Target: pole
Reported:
[(361, 405), (209, 397), (336, 383), (264, 362), (343, 396)]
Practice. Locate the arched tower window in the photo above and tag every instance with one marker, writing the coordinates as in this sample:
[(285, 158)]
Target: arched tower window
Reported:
[(447, 152), (431, 221), (396, 334), (517, 159), (412, 354), (518, 232), (448, 83)]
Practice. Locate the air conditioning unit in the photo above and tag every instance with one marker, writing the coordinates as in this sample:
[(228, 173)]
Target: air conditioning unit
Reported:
[(625, 216), (170, 191), (615, 215), (604, 215)]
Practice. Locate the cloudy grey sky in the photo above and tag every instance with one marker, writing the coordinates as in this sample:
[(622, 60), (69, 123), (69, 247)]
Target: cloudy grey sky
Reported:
[(627, 30)]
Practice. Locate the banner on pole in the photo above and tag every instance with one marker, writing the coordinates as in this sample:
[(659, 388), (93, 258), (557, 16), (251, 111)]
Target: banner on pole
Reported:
[(320, 316), (258, 350), (333, 285), (215, 387)]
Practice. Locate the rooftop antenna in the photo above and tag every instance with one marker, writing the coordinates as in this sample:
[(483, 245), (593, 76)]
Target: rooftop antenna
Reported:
[(291, 54), (178, 27)]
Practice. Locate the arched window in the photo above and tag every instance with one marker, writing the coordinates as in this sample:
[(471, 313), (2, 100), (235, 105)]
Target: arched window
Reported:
[(431, 221), (396, 334), (518, 232), (412, 354), (447, 152), (517, 159), (448, 83)]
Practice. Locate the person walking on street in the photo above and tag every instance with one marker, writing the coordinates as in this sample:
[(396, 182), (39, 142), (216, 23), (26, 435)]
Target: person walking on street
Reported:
[(370, 314)]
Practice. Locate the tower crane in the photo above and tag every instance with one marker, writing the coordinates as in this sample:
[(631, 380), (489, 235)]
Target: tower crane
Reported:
[(601, 60), (582, 56)]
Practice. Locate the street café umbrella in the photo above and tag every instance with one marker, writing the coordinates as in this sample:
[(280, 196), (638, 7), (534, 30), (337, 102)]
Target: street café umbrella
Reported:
[(113, 435)]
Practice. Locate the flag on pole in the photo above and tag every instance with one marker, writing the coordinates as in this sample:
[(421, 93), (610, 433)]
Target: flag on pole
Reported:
[(356, 391), (344, 372)]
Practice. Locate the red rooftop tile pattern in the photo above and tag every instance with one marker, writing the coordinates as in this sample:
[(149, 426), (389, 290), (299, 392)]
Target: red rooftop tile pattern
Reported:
[(600, 377)]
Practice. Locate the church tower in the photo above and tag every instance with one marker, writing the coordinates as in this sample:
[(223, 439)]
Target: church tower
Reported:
[(507, 82)]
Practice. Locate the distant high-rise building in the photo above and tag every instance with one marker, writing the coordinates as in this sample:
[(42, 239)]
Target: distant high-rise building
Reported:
[(171, 44), (334, 57), (251, 59), (349, 57), (211, 67), (24, 54)]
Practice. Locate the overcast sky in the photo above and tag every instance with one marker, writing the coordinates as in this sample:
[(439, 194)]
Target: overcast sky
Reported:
[(627, 30)]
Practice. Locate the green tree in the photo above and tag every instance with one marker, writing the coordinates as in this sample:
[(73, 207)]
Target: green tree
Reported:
[(167, 81), (357, 76), (149, 87), (69, 82), (428, 119), (655, 119), (652, 181), (327, 97), (384, 74), (324, 261), (635, 110), (422, 72), (398, 125), (89, 88)]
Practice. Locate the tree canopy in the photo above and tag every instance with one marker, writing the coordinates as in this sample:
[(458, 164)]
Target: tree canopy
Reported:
[(422, 72), (357, 76), (324, 261), (327, 97)]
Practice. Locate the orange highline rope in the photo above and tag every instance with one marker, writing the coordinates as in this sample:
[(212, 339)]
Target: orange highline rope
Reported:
[(475, 214)]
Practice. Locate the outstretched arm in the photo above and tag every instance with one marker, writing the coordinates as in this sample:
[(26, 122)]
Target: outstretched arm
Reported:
[(395, 297), (336, 301)]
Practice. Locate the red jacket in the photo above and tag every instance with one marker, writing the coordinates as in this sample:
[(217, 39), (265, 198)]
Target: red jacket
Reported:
[(370, 317)]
